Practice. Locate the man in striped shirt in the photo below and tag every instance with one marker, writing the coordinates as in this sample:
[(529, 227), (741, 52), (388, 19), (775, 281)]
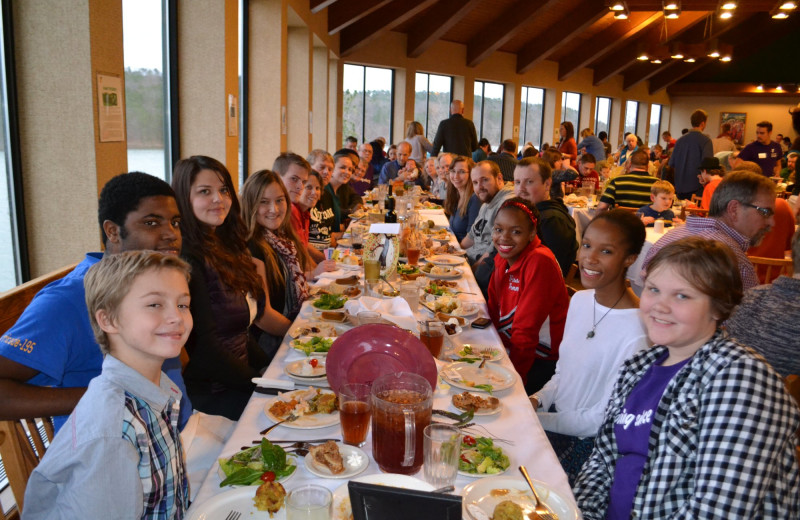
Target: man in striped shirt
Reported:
[(742, 211), (632, 189)]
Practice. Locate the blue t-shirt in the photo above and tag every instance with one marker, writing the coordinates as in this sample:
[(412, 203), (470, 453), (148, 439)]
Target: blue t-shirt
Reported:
[(594, 146), (765, 155), (54, 337), (632, 432), (648, 211), (460, 225)]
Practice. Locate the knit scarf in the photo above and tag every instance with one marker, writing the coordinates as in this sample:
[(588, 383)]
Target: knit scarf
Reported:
[(298, 289)]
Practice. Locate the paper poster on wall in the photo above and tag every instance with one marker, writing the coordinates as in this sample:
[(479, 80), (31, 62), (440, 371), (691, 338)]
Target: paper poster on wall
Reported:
[(110, 116), (233, 116)]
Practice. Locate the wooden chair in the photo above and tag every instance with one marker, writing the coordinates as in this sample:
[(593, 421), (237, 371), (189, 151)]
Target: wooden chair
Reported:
[(22, 446), (573, 286), (627, 208), (693, 212), (772, 267)]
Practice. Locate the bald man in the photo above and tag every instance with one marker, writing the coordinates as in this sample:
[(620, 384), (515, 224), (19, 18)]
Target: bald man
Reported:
[(456, 134)]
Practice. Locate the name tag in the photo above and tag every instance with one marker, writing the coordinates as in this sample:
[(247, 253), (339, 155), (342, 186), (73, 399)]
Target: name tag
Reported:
[(762, 155)]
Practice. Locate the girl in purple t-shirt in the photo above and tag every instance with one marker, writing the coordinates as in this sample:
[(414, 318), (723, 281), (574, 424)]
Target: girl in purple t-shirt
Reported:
[(698, 426)]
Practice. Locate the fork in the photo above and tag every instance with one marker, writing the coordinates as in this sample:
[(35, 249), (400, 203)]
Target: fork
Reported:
[(289, 418), (541, 509), (233, 515)]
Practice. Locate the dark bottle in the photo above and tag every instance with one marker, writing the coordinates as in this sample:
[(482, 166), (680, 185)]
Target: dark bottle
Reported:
[(388, 205)]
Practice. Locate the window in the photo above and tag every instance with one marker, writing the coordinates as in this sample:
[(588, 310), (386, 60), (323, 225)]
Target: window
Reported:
[(531, 117), (655, 124), (13, 244), (571, 109), (631, 116), (367, 102), (487, 113), (432, 97), (147, 88), (602, 115)]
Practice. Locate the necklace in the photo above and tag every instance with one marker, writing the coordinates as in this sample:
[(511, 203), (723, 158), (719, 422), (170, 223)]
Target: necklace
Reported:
[(590, 335)]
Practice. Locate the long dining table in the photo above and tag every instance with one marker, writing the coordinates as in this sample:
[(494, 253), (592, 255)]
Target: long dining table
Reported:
[(520, 433)]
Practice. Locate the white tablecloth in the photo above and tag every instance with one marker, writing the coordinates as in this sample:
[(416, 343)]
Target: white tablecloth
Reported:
[(517, 421)]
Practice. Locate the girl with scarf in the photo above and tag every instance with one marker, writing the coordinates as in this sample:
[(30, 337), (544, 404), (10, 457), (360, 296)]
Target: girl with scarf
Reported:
[(272, 239)]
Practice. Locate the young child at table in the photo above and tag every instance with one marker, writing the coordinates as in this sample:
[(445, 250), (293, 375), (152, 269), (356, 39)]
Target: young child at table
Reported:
[(662, 193), (119, 454), (527, 297)]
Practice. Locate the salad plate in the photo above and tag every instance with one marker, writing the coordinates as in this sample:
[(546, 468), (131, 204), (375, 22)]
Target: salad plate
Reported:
[(482, 496), (470, 350), (355, 462), (481, 457), (308, 368), (341, 497), (253, 464), (308, 421), (446, 260), (490, 378), (451, 275), (316, 345), (237, 499)]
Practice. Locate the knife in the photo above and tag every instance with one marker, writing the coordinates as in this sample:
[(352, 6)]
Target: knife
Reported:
[(269, 391), (300, 440)]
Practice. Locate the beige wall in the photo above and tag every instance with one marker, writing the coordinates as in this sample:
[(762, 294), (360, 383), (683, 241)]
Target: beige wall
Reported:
[(773, 110)]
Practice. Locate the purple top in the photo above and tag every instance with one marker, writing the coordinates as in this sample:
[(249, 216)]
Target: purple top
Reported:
[(632, 432)]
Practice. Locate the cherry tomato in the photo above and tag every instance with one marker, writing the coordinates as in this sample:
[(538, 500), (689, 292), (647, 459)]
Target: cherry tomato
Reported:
[(465, 459), (268, 476), (469, 441), (313, 362)]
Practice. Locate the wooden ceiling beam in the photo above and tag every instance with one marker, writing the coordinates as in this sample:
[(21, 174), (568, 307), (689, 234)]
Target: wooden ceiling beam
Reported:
[(436, 22), (674, 74), (503, 28), (374, 24), (613, 37), (725, 89), (621, 60), (554, 38), (318, 5), (343, 14), (635, 75)]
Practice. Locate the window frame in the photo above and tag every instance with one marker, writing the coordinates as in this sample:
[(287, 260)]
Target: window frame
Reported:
[(16, 199), (564, 95), (172, 118), (483, 105), (524, 118), (428, 95), (362, 138), (596, 112)]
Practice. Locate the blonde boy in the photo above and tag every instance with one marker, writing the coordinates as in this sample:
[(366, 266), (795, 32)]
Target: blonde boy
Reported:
[(662, 193), (119, 455)]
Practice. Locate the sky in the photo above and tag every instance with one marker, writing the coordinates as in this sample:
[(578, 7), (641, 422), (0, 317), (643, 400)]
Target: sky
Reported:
[(141, 34)]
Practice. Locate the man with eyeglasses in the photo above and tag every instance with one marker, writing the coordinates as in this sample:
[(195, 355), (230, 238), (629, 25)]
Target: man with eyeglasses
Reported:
[(742, 211)]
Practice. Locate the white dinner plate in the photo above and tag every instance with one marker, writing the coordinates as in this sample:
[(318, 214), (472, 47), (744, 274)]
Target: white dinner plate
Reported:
[(289, 457), (295, 369), (305, 422), (238, 499), (321, 382), (497, 353), (341, 497), (486, 493), (354, 459), (452, 275), (467, 309), (466, 375), (446, 260)]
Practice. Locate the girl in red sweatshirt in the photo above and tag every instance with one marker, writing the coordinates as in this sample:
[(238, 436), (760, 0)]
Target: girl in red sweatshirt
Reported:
[(527, 297)]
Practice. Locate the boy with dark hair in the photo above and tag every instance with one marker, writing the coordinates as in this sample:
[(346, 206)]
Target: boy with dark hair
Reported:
[(121, 454), (49, 356)]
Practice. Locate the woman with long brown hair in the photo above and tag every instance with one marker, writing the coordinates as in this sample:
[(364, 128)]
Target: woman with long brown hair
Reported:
[(461, 205), (225, 289)]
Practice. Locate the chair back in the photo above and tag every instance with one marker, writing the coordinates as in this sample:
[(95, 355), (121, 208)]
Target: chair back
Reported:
[(23, 443), (771, 268), (627, 208)]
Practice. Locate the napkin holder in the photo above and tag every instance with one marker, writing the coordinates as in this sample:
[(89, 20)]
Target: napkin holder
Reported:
[(372, 502)]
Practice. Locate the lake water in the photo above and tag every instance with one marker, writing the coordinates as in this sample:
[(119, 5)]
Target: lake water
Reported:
[(148, 161)]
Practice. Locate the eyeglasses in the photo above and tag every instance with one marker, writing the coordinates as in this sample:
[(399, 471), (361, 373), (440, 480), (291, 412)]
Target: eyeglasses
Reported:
[(764, 212)]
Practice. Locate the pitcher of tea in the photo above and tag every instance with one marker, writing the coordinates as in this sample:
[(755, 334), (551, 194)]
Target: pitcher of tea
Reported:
[(401, 409)]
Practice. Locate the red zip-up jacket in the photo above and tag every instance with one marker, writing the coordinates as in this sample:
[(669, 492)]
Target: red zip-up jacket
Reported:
[(522, 298)]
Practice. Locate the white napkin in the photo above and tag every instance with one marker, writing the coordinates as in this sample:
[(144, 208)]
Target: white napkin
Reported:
[(203, 439), (265, 382), (393, 309)]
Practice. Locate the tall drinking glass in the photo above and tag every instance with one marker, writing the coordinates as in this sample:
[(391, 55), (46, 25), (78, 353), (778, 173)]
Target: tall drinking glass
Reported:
[(354, 413), (442, 447), (309, 502)]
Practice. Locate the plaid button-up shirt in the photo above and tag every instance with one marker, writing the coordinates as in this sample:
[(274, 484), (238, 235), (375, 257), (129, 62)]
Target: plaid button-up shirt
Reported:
[(722, 443)]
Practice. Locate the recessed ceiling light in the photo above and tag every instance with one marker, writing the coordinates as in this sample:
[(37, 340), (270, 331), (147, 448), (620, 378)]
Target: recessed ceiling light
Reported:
[(657, 61), (670, 6), (788, 6), (725, 58), (678, 56), (617, 6), (725, 15), (760, 88), (672, 16), (728, 6), (780, 16), (779, 88), (714, 54), (689, 60)]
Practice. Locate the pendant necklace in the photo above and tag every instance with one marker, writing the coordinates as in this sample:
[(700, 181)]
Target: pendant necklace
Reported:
[(590, 335)]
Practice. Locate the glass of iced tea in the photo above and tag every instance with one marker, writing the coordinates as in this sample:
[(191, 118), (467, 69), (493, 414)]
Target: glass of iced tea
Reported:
[(401, 409), (372, 270), (431, 333), (354, 413)]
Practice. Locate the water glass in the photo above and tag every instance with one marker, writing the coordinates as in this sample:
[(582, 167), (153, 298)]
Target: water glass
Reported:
[(309, 502), (410, 293), (366, 317), (442, 447), (354, 412)]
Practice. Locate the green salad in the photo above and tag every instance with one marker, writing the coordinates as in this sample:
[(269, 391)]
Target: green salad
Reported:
[(256, 465), (315, 344), (481, 456), (407, 269), (329, 302)]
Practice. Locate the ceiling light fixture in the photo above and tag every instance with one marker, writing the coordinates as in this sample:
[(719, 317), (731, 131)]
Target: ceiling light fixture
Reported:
[(622, 15), (728, 6), (779, 15), (617, 6), (672, 9), (726, 15), (788, 6), (689, 60), (779, 88), (760, 88), (656, 61), (725, 58)]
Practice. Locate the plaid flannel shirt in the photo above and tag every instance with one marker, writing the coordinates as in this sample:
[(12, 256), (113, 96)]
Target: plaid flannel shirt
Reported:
[(722, 443)]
